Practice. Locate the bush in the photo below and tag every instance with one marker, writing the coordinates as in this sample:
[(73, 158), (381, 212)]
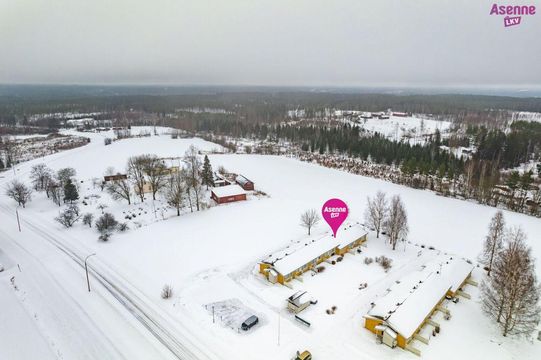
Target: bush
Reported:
[(320, 269), (69, 216), (122, 227), (385, 262), (107, 141), (106, 222), (368, 260), (340, 258), (105, 236), (87, 219), (167, 291)]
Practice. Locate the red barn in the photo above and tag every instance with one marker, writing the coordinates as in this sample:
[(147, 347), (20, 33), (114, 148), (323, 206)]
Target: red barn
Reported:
[(245, 183), (227, 194)]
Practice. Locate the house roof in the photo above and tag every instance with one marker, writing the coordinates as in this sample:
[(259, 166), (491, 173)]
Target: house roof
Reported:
[(310, 248), (228, 190), (348, 233), (409, 301), (310, 251)]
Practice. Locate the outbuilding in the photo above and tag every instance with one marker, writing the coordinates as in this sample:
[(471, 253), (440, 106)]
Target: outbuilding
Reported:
[(228, 193), (245, 183)]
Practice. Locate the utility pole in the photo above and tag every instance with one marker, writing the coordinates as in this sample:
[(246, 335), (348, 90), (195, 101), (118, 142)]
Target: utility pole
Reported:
[(86, 270), (18, 221)]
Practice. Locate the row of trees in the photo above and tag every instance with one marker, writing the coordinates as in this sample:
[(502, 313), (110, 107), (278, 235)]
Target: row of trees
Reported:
[(179, 187), (389, 217), (511, 292), (59, 186)]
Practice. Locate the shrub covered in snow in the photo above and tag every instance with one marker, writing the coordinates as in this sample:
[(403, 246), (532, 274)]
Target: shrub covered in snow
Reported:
[(167, 291), (69, 216), (368, 260), (385, 262), (106, 222), (88, 219)]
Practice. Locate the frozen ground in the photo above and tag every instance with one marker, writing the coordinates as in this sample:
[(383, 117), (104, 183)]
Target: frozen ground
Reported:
[(397, 128), (210, 256)]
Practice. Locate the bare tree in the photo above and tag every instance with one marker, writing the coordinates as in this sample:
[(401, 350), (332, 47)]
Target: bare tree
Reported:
[(175, 192), (493, 241), (41, 175), (136, 172), (156, 172), (11, 150), (511, 295), (56, 192), (69, 216), (396, 222), (65, 174), (19, 192), (376, 211), (192, 175), (120, 189), (88, 218), (309, 219)]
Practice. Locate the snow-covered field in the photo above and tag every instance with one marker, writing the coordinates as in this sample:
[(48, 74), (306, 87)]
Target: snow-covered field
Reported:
[(210, 256), (413, 128), (525, 116)]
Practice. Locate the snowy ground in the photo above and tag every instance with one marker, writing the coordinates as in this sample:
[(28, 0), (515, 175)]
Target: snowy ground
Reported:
[(525, 116), (210, 257), (413, 128)]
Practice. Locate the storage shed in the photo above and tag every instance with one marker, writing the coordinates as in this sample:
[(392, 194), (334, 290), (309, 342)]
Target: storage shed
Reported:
[(228, 193), (245, 183)]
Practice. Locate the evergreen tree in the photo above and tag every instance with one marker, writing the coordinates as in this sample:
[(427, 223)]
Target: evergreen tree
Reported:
[(70, 192), (207, 177)]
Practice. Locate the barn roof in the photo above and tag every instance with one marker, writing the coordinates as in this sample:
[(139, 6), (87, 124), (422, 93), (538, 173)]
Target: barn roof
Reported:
[(228, 190), (410, 300), (243, 180)]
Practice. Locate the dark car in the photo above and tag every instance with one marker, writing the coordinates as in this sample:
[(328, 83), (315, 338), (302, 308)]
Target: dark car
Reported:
[(249, 323)]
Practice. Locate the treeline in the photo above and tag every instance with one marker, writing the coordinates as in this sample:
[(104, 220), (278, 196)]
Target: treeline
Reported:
[(507, 150), (250, 104)]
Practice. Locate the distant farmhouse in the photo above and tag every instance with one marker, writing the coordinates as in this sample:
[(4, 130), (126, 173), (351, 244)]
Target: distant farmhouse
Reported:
[(287, 264), (116, 177), (228, 193), (398, 317)]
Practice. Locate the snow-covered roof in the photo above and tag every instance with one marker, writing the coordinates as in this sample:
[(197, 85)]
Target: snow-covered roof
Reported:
[(242, 180), (348, 233), (228, 190), (302, 252), (302, 256), (409, 301), (300, 297)]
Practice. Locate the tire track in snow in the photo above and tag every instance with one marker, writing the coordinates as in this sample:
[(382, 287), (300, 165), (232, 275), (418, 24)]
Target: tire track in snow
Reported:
[(179, 344)]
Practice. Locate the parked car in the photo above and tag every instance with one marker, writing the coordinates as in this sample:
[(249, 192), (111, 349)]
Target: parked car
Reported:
[(249, 323)]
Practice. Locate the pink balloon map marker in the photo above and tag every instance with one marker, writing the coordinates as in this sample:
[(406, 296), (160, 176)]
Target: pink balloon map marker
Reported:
[(334, 211)]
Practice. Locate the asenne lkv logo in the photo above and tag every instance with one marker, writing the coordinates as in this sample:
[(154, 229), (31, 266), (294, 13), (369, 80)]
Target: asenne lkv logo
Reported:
[(513, 13)]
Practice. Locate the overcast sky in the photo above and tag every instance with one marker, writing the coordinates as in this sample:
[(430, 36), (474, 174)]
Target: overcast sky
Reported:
[(267, 42)]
